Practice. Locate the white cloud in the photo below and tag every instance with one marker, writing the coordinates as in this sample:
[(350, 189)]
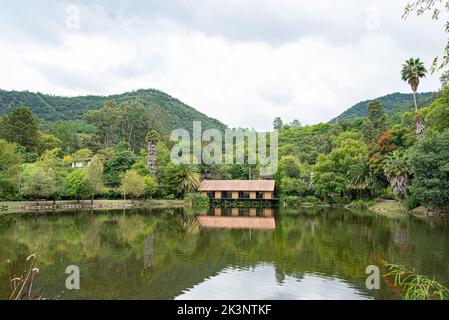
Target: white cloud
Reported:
[(241, 62)]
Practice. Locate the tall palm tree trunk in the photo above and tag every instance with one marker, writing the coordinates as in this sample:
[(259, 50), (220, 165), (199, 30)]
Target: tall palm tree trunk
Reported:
[(416, 102), (419, 128), (152, 156)]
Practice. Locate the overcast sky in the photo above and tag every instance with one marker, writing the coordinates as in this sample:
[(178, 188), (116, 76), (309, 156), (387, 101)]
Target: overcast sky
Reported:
[(243, 62)]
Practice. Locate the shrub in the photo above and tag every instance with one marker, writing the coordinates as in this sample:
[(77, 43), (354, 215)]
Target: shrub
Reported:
[(411, 202), (197, 200), (293, 187), (312, 199), (361, 204), (291, 201)]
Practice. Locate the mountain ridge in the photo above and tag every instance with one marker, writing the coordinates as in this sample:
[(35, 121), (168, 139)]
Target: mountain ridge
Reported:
[(393, 103), (54, 107)]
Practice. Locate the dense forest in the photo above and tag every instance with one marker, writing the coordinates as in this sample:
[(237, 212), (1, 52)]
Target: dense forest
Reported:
[(354, 161), (172, 113)]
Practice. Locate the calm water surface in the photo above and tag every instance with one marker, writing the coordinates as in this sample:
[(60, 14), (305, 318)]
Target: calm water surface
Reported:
[(246, 254)]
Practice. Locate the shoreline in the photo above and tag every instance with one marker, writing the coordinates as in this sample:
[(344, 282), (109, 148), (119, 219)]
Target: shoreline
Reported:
[(387, 208), (10, 207)]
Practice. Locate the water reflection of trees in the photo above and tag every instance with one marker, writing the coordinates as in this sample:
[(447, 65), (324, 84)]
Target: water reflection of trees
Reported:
[(148, 255), (115, 250)]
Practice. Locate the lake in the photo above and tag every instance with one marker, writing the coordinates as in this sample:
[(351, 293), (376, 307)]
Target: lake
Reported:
[(220, 254)]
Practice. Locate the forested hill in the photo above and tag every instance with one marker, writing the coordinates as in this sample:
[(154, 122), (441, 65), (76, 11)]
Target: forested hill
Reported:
[(52, 108), (393, 103)]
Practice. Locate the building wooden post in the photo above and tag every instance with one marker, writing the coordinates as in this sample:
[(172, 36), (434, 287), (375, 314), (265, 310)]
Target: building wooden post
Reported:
[(253, 212), (268, 195), (268, 212)]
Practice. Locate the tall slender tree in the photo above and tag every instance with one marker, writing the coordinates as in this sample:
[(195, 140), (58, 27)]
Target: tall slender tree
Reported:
[(94, 175), (377, 115), (152, 139), (412, 71)]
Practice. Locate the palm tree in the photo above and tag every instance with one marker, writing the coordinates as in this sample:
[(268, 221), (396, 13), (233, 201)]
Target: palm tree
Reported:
[(397, 173), (189, 178), (412, 70), (360, 176), (152, 139)]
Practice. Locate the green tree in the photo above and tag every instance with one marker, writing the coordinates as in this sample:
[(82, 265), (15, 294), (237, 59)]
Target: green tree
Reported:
[(437, 117), (429, 165), (59, 167), (377, 116), (361, 177), (77, 185), (21, 127), (293, 187), (396, 170), (150, 186), (289, 166), (133, 185), (295, 124), (121, 121), (412, 71), (48, 142), (121, 161), (169, 180), (94, 175), (10, 160), (278, 124), (189, 177), (39, 181), (83, 153), (444, 79), (330, 174)]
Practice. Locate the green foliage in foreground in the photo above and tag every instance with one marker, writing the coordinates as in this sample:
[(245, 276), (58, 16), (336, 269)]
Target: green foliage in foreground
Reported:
[(415, 286)]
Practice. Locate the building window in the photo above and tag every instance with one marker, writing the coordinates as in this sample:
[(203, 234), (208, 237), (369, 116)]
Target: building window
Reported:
[(259, 195), (244, 195), (226, 195), (211, 194)]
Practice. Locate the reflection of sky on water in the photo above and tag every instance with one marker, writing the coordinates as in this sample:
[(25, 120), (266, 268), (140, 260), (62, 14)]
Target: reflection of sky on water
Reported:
[(260, 283)]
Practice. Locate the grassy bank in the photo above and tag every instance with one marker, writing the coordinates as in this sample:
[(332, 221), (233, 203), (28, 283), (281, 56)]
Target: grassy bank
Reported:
[(394, 209), (9, 207)]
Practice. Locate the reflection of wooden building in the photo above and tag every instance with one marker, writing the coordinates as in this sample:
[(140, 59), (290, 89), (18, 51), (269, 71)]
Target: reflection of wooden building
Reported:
[(255, 223), (238, 189), (238, 218)]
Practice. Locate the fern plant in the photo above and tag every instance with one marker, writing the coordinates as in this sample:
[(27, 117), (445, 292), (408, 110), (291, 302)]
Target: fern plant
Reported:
[(415, 286)]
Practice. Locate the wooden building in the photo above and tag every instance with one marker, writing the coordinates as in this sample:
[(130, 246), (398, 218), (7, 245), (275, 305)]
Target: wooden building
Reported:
[(238, 189), (81, 163)]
